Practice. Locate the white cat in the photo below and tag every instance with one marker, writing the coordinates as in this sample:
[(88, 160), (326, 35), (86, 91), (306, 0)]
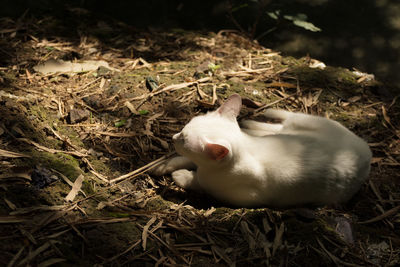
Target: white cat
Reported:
[(304, 160)]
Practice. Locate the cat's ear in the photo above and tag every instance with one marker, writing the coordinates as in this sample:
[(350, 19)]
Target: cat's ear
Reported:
[(216, 151), (231, 107)]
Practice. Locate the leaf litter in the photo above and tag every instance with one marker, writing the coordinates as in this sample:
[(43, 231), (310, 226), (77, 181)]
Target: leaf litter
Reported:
[(97, 202)]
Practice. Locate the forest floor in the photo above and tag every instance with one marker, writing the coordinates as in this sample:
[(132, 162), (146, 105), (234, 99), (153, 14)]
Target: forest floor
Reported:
[(75, 148)]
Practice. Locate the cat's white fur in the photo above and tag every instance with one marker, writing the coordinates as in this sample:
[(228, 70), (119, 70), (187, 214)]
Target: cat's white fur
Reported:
[(303, 160)]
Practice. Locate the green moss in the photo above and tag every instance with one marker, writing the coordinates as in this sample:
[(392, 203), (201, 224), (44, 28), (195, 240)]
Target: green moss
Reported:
[(64, 163), (102, 167), (158, 203)]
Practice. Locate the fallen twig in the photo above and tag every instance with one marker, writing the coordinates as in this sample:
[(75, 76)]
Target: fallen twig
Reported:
[(142, 169), (382, 216)]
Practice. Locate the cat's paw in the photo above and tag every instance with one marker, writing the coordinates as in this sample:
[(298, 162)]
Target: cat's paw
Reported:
[(183, 178), (161, 169), (172, 164)]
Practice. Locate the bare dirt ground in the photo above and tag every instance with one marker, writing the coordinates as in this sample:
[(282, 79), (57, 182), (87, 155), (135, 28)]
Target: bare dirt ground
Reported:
[(75, 148)]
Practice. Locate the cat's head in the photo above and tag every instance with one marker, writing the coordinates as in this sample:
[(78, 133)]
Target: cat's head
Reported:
[(208, 138)]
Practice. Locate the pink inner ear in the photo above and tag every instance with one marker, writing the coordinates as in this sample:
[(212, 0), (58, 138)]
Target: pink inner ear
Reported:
[(216, 152)]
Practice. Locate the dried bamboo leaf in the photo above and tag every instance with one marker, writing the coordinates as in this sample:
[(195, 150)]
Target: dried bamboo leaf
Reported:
[(68, 181), (383, 215), (123, 252), (12, 219), (25, 176), (11, 205), (278, 237), (75, 188), (145, 231), (142, 169), (209, 211), (11, 154), (117, 134), (37, 208), (50, 150), (16, 256), (50, 262), (281, 84), (36, 252)]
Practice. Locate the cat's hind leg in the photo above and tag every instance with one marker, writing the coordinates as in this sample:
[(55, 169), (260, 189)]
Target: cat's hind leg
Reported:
[(293, 121), (256, 128)]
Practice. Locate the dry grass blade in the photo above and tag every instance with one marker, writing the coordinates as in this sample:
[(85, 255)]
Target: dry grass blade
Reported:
[(10, 154), (123, 252), (25, 176), (11, 205), (37, 208), (36, 252), (278, 237), (218, 251), (79, 233), (388, 213), (174, 87), (244, 227), (281, 84), (245, 72), (335, 259), (12, 219), (50, 150), (51, 217), (142, 169), (76, 187), (117, 134), (50, 262), (16, 256), (102, 220), (273, 103), (28, 235), (94, 172), (145, 231)]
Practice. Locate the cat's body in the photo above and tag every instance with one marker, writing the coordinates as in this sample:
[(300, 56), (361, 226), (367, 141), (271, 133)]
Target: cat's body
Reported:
[(305, 160)]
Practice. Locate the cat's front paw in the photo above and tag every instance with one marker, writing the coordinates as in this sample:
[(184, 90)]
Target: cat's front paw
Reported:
[(183, 178), (161, 170), (172, 164)]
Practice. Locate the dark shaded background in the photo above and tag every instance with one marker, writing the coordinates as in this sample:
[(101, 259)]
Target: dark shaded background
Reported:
[(360, 34)]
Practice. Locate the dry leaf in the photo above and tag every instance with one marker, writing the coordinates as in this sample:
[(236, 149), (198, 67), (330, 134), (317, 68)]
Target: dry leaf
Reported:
[(26, 176), (10, 204), (281, 84), (354, 99), (75, 188), (145, 231), (209, 211), (50, 262), (61, 66), (10, 154), (278, 237), (11, 219), (385, 115)]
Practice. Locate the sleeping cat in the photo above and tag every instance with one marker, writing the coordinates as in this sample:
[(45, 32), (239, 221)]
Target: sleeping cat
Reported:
[(303, 160)]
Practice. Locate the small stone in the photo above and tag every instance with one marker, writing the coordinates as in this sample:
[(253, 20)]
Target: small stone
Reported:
[(78, 115), (103, 71)]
